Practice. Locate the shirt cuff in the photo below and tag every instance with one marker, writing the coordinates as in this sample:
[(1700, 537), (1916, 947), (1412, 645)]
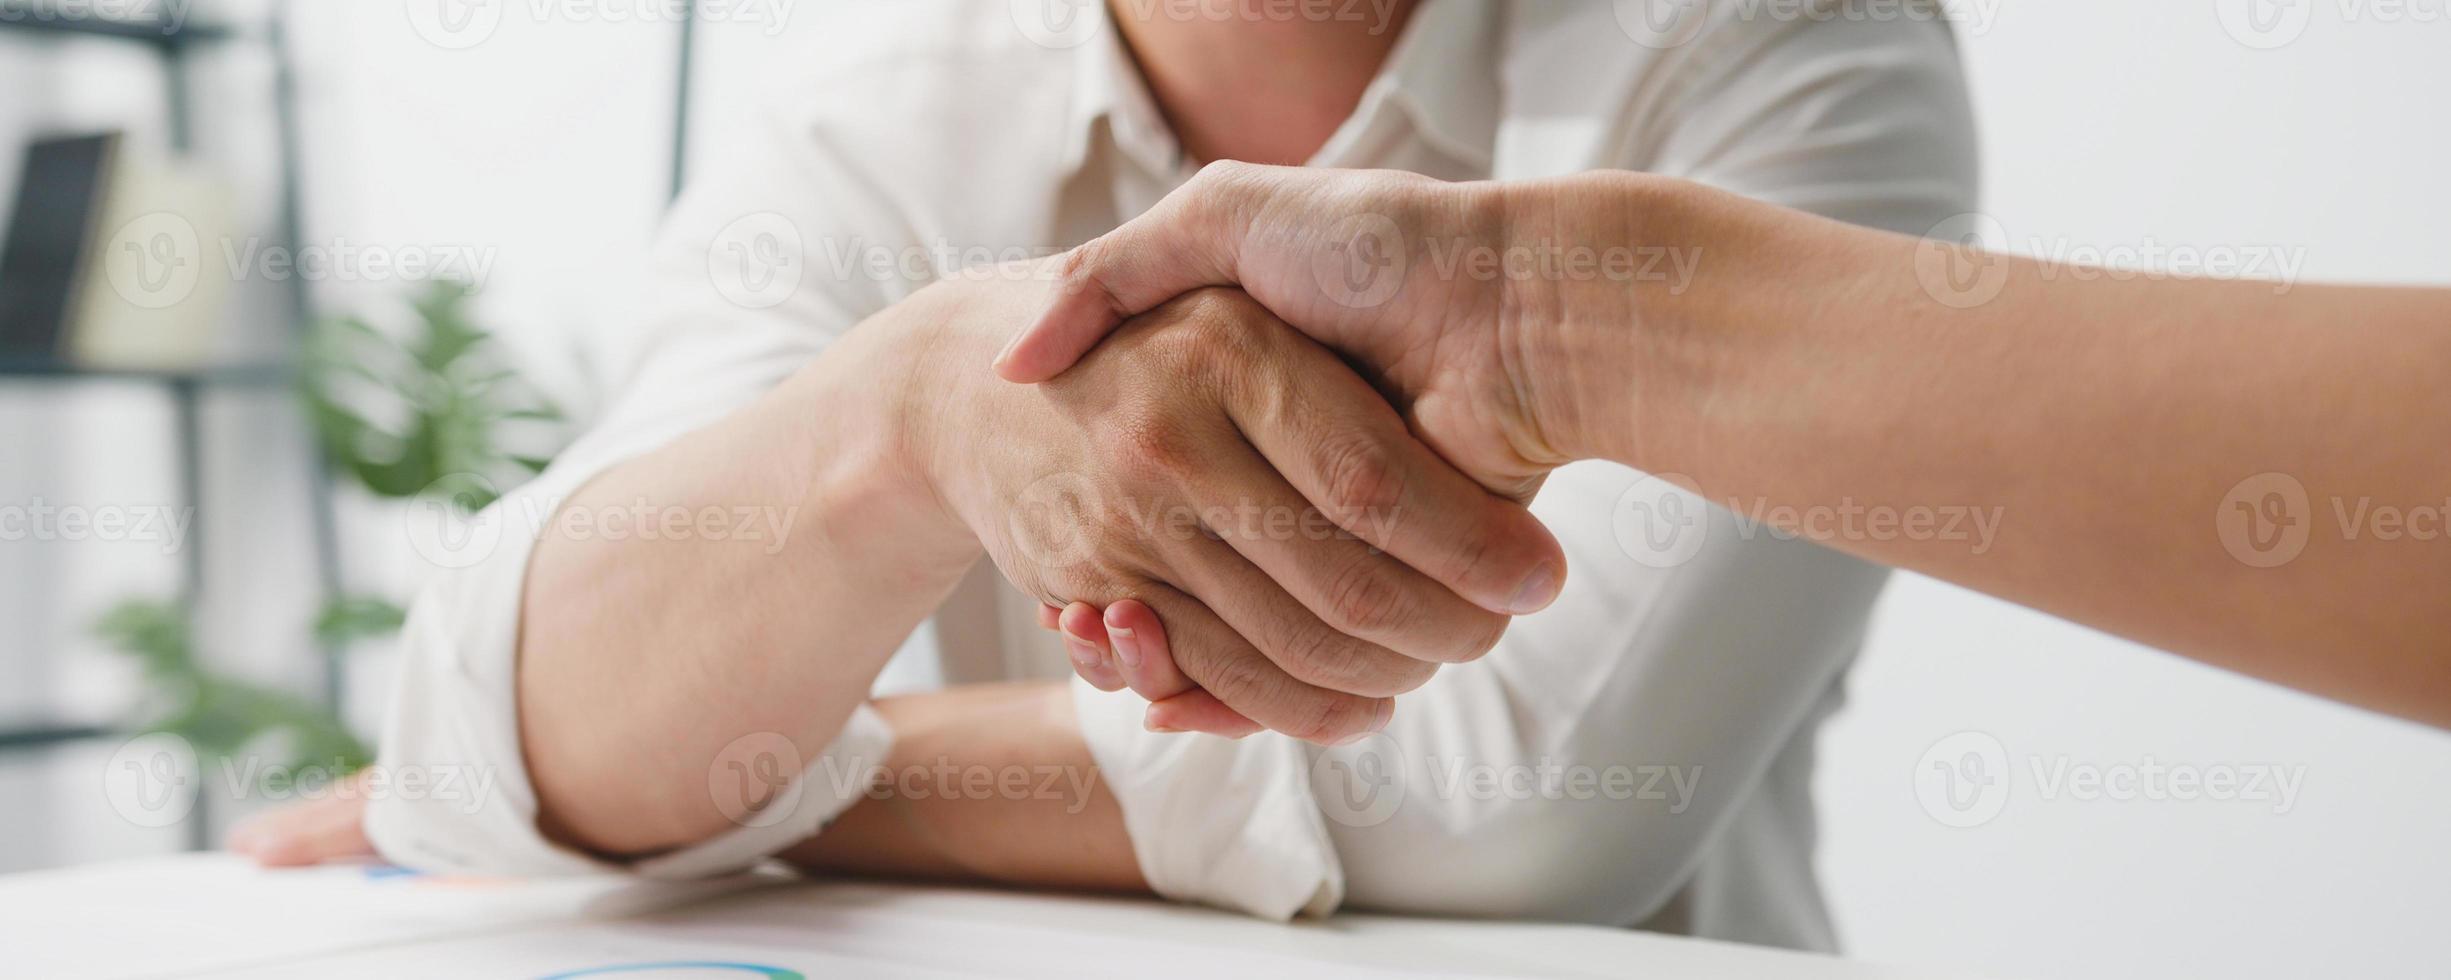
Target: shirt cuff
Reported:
[(1215, 821)]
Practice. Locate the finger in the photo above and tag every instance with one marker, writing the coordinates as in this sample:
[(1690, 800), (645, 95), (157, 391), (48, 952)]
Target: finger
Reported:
[(1213, 655), (1354, 588), (1198, 711), (1190, 239), (1048, 617), (1178, 705), (1085, 642), (312, 833), (1296, 640), (1342, 446)]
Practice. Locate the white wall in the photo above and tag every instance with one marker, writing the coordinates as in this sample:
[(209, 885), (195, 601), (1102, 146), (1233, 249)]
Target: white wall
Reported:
[(2108, 123)]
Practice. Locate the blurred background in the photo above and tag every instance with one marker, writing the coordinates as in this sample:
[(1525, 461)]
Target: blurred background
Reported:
[(397, 225)]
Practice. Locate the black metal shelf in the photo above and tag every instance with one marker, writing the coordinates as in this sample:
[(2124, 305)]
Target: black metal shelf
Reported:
[(45, 735), (43, 18), (259, 375)]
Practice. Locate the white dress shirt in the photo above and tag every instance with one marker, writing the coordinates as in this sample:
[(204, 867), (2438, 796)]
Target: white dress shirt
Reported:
[(1640, 753)]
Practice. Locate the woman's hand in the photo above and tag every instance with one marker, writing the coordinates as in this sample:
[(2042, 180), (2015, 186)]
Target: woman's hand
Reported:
[(1310, 556), (313, 832)]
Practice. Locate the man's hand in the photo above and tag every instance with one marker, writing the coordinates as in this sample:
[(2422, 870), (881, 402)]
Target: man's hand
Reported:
[(1311, 557), (1455, 298)]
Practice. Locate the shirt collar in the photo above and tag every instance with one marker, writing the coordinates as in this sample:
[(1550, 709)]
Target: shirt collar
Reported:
[(1441, 76)]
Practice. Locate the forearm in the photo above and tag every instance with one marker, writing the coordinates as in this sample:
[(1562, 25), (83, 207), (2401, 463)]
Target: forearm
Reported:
[(2109, 425), (642, 654), (989, 783)]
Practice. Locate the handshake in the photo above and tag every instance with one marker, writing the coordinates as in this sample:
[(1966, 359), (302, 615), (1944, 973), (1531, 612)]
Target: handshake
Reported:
[(1269, 462)]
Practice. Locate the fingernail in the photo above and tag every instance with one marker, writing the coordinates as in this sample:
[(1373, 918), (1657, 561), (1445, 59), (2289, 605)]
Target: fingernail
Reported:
[(1538, 590), (1005, 356), (1083, 654), (1127, 646)]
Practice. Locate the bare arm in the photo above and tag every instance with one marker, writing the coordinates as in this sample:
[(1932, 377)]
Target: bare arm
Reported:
[(641, 658), (2120, 429), (989, 783), (2182, 462)]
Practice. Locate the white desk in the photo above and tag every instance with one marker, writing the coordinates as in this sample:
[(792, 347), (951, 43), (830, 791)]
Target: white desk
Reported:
[(212, 916)]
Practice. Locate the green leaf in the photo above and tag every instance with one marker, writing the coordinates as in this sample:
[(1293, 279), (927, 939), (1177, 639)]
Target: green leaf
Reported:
[(353, 618)]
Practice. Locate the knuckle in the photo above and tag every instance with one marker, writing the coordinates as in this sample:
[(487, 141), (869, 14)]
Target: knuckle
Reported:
[(1232, 678), (1477, 638), (1152, 446), (1360, 478), (1328, 659), (1329, 718), (1365, 600), (1217, 175)]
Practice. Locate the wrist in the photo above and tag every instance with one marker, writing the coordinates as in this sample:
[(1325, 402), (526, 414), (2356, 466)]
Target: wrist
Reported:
[(871, 400), (1579, 328)]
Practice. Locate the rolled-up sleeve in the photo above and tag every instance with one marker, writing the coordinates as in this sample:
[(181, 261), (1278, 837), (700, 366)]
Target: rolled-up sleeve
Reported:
[(1214, 821), (735, 304)]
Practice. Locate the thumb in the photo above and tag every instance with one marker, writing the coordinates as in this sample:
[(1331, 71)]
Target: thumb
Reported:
[(1191, 239)]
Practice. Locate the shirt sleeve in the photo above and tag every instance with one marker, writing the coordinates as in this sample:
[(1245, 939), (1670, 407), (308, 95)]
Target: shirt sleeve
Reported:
[(738, 300), (1581, 770)]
